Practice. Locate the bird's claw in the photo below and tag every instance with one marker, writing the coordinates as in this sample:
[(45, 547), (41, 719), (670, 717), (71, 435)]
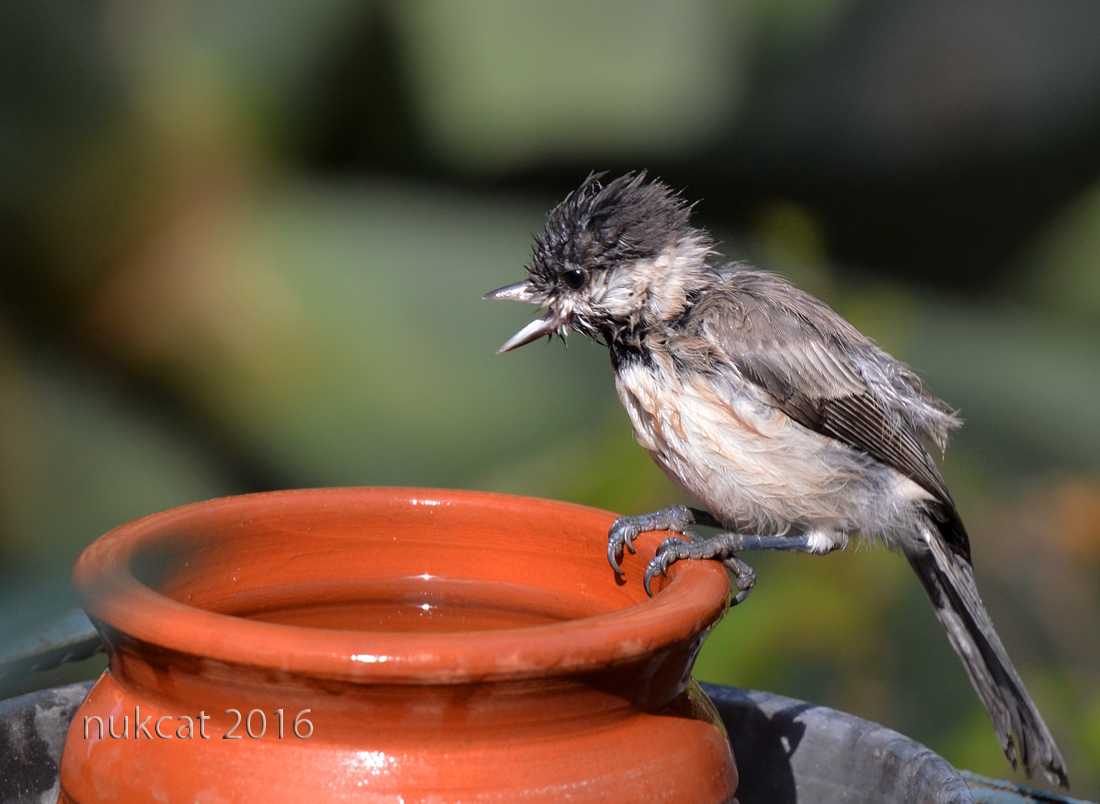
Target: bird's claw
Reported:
[(687, 544), (668, 553), (675, 549), (744, 578), (625, 530)]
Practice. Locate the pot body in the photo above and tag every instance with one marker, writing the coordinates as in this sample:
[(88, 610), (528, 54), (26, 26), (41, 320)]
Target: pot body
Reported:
[(391, 645)]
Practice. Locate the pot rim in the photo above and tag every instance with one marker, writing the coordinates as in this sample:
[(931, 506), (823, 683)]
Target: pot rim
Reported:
[(694, 598)]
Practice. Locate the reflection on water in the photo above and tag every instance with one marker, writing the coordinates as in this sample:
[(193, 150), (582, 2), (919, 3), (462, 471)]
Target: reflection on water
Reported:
[(418, 604), (391, 616)]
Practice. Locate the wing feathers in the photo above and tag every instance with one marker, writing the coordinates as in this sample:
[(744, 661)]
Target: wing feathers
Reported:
[(827, 376)]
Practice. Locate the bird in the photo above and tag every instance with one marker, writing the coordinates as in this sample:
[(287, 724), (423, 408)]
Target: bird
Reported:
[(790, 428)]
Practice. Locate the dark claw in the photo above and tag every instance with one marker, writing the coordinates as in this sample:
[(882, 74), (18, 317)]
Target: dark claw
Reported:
[(668, 553), (622, 535), (655, 568), (744, 578), (674, 549), (625, 529)]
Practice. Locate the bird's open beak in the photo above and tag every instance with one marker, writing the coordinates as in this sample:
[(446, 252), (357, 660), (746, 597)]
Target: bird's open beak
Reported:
[(521, 291), (548, 325)]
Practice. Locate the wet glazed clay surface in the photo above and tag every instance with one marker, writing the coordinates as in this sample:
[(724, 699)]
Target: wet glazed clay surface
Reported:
[(450, 645)]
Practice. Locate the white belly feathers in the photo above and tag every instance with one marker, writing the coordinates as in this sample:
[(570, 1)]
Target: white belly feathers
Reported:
[(757, 470)]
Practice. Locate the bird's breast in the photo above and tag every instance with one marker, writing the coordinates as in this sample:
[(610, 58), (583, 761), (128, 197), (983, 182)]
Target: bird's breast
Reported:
[(677, 413)]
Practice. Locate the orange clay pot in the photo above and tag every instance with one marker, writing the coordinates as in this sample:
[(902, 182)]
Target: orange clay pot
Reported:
[(392, 645)]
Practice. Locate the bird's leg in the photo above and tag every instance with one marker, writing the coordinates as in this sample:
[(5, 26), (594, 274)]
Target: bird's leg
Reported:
[(724, 547)]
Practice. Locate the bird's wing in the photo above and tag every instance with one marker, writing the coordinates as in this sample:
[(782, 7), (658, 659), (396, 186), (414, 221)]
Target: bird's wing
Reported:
[(808, 359)]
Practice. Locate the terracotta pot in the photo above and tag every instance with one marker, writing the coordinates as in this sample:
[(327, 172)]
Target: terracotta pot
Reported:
[(392, 645)]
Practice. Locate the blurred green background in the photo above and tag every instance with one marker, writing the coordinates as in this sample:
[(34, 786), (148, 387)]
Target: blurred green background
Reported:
[(243, 246)]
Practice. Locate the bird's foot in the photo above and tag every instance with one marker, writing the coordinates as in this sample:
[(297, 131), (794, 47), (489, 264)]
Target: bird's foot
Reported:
[(676, 549), (625, 529), (744, 578)]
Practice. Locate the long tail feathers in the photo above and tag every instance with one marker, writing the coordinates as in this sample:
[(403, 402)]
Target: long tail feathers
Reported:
[(949, 581)]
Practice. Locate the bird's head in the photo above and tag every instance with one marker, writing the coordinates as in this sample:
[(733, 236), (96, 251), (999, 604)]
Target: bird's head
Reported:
[(611, 259)]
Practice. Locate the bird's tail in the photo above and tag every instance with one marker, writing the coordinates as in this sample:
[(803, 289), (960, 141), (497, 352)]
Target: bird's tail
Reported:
[(949, 581)]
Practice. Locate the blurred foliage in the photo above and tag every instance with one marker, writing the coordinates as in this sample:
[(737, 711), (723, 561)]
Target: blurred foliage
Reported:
[(243, 246), (601, 77)]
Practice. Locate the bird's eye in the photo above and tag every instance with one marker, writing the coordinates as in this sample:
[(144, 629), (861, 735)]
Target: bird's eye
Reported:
[(576, 278)]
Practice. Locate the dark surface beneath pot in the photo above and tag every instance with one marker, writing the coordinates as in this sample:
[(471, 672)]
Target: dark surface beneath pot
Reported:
[(32, 734), (787, 751), (791, 751)]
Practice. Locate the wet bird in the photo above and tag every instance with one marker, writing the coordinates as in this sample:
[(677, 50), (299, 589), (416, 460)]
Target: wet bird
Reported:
[(790, 428)]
